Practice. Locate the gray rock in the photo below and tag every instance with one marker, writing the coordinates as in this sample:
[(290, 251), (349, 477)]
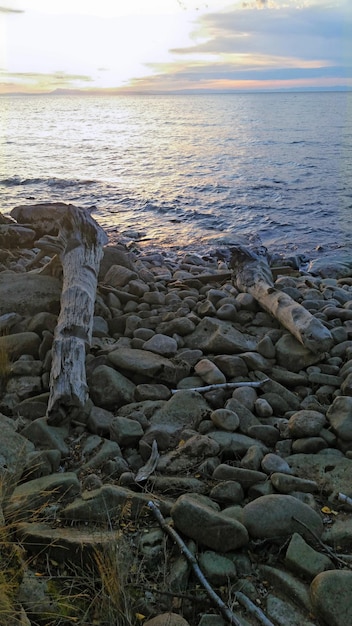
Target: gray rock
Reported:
[(176, 485), (284, 483), (217, 336), (30, 498), (306, 423), (47, 437), (235, 444), (180, 326), (14, 454), (329, 470), (20, 343), (217, 568), (263, 408), (119, 275), (245, 477), (99, 421), (185, 408), (144, 362), (339, 533), (188, 455), (272, 516), (209, 372), (245, 415), (206, 526), (29, 294), (339, 416), (171, 619), (110, 389), (224, 419), (24, 386), (125, 431), (293, 356), (331, 597), (274, 463), (290, 587), (302, 559), (149, 391), (284, 614), (231, 365), (227, 492), (269, 435), (161, 344)]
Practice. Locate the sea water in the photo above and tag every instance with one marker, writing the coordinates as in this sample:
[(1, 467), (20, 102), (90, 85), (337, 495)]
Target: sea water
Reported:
[(188, 171)]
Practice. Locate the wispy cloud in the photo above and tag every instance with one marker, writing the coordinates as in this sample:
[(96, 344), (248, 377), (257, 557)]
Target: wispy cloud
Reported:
[(29, 81), (9, 10)]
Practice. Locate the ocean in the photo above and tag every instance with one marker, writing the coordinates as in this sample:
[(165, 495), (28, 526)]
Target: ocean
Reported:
[(189, 171)]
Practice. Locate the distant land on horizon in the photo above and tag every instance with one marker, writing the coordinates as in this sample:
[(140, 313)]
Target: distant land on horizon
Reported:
[(181, 92)]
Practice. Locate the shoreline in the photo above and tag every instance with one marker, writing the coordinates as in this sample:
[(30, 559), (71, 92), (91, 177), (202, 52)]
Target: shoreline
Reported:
[(264, 462)]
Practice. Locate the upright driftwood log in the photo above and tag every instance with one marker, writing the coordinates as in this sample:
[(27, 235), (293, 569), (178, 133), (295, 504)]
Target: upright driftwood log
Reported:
[(252, 274), (79, 244)]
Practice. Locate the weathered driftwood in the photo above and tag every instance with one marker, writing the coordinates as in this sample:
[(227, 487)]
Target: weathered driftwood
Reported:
[(252, 274), (225, 386), (79, 245)]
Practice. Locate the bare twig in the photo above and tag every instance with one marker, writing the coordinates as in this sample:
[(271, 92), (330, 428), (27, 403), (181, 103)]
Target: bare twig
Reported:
[(224, 386), (252, 608), (224, 610), (147, 469), (326, 548)]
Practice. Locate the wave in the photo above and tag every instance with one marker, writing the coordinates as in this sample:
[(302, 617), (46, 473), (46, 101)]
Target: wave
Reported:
[(61, 183)]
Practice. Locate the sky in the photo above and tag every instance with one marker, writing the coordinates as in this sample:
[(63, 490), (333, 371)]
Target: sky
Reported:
[(123, 46)]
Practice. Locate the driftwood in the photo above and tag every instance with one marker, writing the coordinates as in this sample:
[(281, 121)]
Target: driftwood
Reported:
[(252, 274), (79, 245), (225, 386)]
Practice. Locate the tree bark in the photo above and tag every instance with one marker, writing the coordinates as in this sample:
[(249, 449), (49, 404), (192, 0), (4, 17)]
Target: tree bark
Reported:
[(252, 274), (79, 244)]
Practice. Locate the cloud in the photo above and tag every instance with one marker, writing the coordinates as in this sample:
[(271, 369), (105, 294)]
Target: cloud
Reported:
[(42, 82), (8, 10)]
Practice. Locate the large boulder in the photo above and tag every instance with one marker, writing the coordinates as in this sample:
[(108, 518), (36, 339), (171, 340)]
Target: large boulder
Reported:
[(29, 294)]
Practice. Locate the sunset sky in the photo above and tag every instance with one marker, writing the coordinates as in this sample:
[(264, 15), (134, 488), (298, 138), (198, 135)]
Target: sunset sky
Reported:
[(113, 46)]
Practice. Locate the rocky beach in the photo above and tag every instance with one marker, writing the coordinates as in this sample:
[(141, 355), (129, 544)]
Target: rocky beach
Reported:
[(200, 403)]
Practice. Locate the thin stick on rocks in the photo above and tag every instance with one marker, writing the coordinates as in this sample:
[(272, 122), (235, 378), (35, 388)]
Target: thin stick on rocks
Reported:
[(228, 615), (223, 386), (252, 608)]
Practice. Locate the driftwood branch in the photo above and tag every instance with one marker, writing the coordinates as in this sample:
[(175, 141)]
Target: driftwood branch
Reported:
[(253, 609), (206, 388), (80, 244), (344, 499), (252, 274), (229, 616)]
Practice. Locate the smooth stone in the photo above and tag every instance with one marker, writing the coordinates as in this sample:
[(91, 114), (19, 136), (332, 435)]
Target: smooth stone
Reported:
[(284, 614), (331, 471), (308, 445), (289, 586), (217, 569), (184, 408), (180, 326), (161, 344), (144, 362), (24, 386), (244, 476), (227, 492), (304, 560), (274, 463), (262, 408), (176, 485), (46, 437), (109, 389), (149, 391), (99, 421), (167, 619), (235, 444), (20, 343), (285, 483), (295, 357), (224, 419), (306, 423), (331, 597), (339, 533), (206, 526), (126, 432), (189, 453), (339, 415), (209, 372), (231, 365), (14, 451), (266, 433), (119, 275), (272, 516), (253, 457), (28, 294), (246, 417), (246, 396)]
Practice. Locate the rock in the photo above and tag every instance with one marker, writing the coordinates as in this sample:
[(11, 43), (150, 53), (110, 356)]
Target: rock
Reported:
[(293, 356), (149, 391), (339, 534), (167, 619), (275, 463), (30, 498), (224, 419), (306, 423), (339, 416), (144, 362), (209, 372), (161, 344), (272, 516), (119, 275), (217, 568), (20, 343), (285, 483), (263, 408), (284, 614), (245, 477), (206, 526), (331, 597), (188, 454), (304, 560), (235, 444), (245, 415), (45, 436), (14, 451), (231, 365), (110, 389), (29, 294), (288, 585), (125, 431), (185, 408), (269, 435), (330, 471), (216, 336), (227, 492)]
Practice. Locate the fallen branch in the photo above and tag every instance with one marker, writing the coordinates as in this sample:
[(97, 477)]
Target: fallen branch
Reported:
[(224, 610), (253, 609), (345, 499), (252, 274), (326, 548), (223, 386)]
